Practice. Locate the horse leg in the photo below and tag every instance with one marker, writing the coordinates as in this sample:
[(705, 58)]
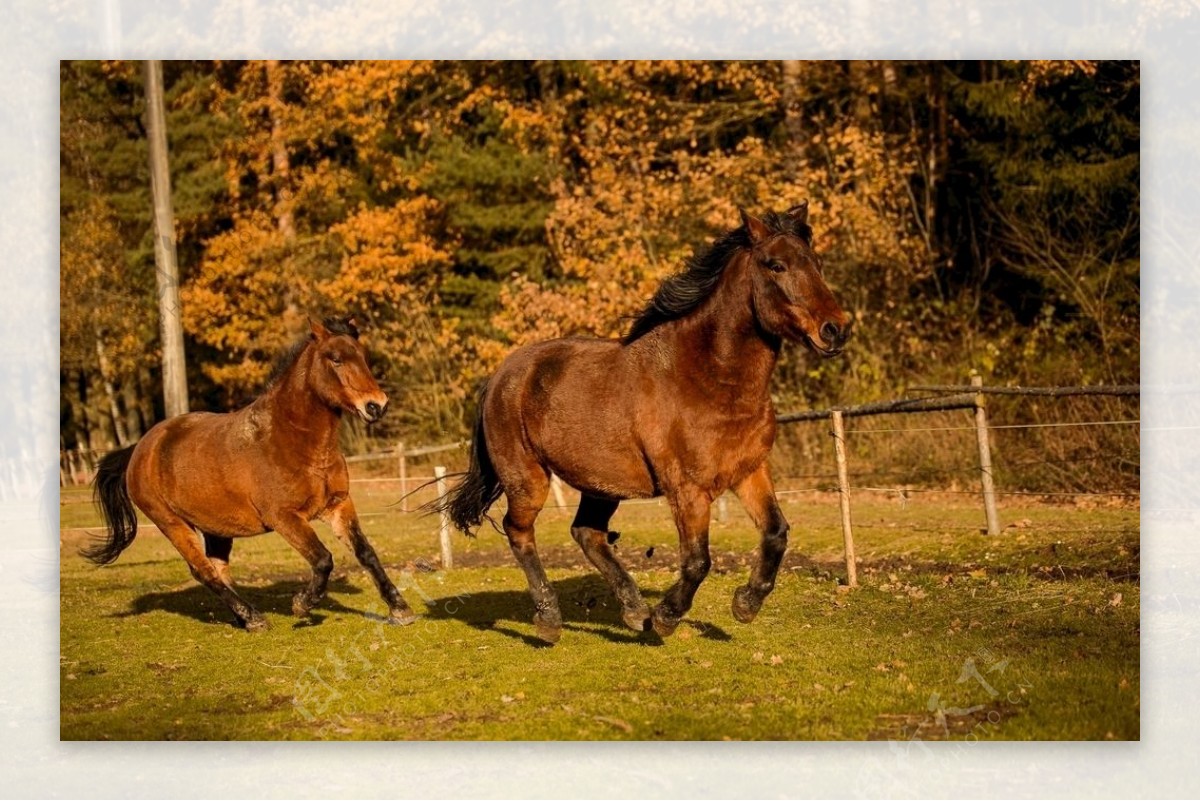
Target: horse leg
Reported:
[(757, 494), (300, 535), (691, 510), (590, 530), (217, 549), (345, 524), (524, 503), (184, 538)]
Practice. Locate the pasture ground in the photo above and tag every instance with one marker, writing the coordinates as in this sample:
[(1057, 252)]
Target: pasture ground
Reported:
[(951, 635)]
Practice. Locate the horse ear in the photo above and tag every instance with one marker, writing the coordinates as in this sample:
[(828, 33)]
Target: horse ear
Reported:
[(754, 226), (319, 331), (799, 212), (352, 325)]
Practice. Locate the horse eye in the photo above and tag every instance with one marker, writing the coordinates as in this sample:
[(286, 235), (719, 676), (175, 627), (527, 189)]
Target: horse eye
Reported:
[(337, 360), (776, 266)]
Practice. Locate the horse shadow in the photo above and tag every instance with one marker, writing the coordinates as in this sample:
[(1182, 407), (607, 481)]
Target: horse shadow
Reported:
[(587, 606), (199, 603)]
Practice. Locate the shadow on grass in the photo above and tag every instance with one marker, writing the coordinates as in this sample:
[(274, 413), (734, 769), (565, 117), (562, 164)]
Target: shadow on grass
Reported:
[(587, 605), (199, 603)]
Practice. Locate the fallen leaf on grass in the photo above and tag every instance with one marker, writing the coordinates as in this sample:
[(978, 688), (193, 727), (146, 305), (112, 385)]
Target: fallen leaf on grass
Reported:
[(620, 724), (1116, 599), (776, 659)]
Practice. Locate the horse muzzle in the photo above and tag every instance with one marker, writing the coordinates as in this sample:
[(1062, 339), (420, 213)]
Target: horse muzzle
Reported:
[(372, 411), (833, 338)]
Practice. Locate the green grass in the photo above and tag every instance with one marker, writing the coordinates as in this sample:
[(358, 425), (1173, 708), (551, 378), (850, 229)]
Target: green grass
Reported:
[(1047, 613)]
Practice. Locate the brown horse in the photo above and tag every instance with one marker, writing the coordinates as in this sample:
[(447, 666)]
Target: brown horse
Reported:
[(680, 407), (271, 466)]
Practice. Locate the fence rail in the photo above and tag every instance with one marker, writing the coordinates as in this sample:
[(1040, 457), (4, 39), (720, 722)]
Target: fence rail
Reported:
[(1053, 392)]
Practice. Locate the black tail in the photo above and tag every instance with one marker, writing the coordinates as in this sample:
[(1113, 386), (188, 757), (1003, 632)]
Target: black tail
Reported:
[(467, 504), (112, 495)]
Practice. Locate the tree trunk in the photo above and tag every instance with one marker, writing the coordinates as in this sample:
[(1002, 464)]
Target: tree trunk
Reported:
[(293, 320), (279, 156), (101, 436), (74, 391), (133, 417), (110, 393), (146, 398), (175, 395), (793, 109)]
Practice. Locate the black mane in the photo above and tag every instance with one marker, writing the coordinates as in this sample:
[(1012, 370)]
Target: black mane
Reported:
[(285, 360), (682, 292)]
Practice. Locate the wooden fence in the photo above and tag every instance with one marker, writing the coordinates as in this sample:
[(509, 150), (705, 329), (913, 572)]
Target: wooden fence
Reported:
[(945, 397), (938, 398)]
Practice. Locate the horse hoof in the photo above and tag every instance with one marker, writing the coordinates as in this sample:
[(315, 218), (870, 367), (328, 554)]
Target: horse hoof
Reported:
[(548, 634), (745, 607), (547, 630), (664, 625), (257, 624), (637, 619), (402, 616), (301, 604)]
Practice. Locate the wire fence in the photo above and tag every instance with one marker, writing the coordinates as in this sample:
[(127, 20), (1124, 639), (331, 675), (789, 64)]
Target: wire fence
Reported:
[(912, 477)]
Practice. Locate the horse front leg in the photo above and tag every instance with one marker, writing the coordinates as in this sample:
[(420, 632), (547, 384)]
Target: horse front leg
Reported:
[(691, 509), (344, 520), (300, 535), (757, 494)]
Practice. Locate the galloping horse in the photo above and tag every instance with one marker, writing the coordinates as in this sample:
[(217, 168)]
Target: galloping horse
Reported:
[(679, 407), (271, 466)]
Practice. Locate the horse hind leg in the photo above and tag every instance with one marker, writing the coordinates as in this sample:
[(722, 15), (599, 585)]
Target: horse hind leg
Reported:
[(590, 530), (524, 503), (184, 538)]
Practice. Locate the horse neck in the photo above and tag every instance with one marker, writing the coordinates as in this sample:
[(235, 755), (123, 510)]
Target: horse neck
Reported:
[(298, 413), (721, 344)]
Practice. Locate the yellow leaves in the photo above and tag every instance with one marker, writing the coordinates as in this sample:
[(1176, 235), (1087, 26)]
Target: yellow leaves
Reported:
[(1042, 73)]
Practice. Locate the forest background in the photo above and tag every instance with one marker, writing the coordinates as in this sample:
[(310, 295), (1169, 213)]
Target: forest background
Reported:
[(973, 216)]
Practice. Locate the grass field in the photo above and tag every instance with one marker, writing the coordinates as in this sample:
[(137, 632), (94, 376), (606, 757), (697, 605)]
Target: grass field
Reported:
[(951, 635)]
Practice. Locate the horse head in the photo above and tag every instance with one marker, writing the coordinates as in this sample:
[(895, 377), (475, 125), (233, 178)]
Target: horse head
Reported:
[(790, 296), (339, 373)]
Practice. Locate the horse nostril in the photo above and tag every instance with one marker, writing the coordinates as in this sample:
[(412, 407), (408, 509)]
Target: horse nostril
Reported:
[(831, 333), (374, 410)]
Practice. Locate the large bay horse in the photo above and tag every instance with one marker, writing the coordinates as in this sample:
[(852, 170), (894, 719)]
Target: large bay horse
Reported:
[(680, 407), (274, 465)]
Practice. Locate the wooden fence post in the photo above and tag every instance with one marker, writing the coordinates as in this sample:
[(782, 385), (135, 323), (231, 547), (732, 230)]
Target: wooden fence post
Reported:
[(403, 476), (839, 447), (985, 459), (439, 473)]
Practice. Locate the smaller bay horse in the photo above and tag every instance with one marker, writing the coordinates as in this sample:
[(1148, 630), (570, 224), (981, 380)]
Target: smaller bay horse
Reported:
[(206, 479), (680, 407)]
